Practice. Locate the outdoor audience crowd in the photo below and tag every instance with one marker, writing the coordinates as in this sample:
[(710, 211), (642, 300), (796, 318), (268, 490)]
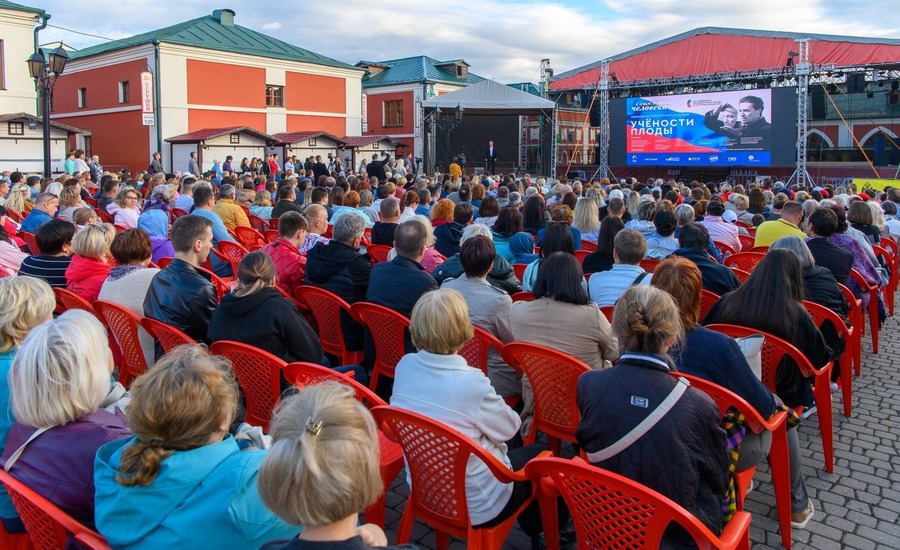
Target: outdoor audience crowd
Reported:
[(615, 273)]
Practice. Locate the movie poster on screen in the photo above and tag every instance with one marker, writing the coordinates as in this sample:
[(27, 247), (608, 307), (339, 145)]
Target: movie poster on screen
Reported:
[(730, 128)]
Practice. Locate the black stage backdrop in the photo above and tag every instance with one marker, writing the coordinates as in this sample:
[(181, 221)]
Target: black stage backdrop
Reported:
[(471, 138)]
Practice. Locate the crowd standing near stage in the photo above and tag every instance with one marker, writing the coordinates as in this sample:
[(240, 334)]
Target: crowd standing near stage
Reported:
[(610, 273)]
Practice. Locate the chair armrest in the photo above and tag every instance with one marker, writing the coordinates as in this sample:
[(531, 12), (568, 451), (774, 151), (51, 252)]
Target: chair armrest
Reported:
[(735, 530), (518, 475)]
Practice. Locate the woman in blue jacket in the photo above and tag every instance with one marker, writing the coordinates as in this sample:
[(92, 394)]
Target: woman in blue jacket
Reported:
[(182, 481)]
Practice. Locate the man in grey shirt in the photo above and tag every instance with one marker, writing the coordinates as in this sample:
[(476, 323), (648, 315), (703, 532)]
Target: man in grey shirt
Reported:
[(193, 165)]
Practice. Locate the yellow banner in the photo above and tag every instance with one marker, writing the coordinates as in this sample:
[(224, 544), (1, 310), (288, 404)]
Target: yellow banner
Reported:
[(879, 185)]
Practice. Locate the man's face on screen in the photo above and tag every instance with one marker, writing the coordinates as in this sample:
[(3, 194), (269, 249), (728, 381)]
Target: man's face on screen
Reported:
[(748, 113)]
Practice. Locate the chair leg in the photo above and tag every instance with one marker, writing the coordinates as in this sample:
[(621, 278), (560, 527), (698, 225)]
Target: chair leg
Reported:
[(857, 350), (404, 531), (825, 412), (846, 383), (742, 482), (442, 540), (779, 464), (873, 320), (549, 520)]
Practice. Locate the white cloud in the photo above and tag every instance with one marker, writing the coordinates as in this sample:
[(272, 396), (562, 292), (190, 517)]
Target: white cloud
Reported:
[(501, 39)]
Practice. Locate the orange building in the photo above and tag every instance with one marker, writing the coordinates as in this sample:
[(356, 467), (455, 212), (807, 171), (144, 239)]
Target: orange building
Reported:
[(131, 95)]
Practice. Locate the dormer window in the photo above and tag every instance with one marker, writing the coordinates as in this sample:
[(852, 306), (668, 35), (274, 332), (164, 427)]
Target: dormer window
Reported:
[(462, 71)]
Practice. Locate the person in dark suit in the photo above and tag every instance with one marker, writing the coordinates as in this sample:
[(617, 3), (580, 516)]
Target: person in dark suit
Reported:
[(822, 224), (490, 157), (376, 167)]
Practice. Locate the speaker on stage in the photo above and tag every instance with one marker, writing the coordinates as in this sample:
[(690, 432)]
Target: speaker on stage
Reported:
[(817, 102), (595, 114), (856, 83)]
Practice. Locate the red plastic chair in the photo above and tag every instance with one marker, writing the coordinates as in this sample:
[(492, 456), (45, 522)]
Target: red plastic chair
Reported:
[(48, 527), (858, 324), (746, 261), (476, 350), (747, 242), (872, 289), (326, 307), (779, 462), (580, 255), (725, 249), (31, 241), (66, 299), (437, 458), (258, 223), (104, 216), (390, 454), (91, 541), (17, 217), (259, 374), (522, 297), (519, 270), (249, 237), (388, 329), (164, 262), (271, 235), (367, 237), (223, 287), (607, 312), (612, 511), (245, 208), (124, 326), (758, 249), (820, 314), (168, 336), (708, 299), (273, 224), (588, 246), (772, 353), (894, 265), (233, 253), (740, 274), (554, 381), (378, 253), (649, 264), (179, 212)]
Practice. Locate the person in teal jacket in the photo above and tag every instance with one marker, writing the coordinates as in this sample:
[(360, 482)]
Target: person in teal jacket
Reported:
[(182, 481)]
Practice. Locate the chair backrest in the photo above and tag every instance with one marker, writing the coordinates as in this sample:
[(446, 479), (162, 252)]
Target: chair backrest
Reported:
[(388, 329), (168, 336), (519, 270), (249, 237), (179, 212), (306, 374), (48, 526), (864, 285), (726, 398), (476, 350), (525, 296), (437, 457), (740, 273), (104, 215), (747, 242), (580, 255), (257, 223), (771, 354), (273, 224), (225, 260), (66, 299), (31, 241), (587, 245), (326, 308), (758, 249), (259, 374), (820, 314), (612, 511), (708, 299), (124, 325), (724, 248), (891, 245), (554, 379), (744, 260), (607, 312), (15, 216), (271, 235), (234, 253), (378, 252), (649, 264), (222, 287)]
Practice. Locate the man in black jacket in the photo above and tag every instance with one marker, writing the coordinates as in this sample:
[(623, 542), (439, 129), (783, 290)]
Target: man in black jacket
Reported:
[(447, 235), (822, 224), (694, 242), (338, 267), (376, 167), (319, 169), (179, 295), (286, 198), (383, 231)]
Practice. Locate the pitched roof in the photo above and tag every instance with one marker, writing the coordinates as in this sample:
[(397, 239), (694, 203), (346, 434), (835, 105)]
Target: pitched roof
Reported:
[(362, 141), (490, 97), (294, 137), (217, 32), (59, 125), (415, 69), (5, 5), (210, 133)]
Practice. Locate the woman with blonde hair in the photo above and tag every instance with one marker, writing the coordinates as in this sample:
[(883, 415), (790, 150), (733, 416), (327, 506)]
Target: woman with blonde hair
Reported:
[(90, 267), (182, 481), (17, 201), (262, 205), (586, 219), (126, 208), (25, 302), (322, 469), (82, 217), (59, 380), (69, 202), (613, 402)]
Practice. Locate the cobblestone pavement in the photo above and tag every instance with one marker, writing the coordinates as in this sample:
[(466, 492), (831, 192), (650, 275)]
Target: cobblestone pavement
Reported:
[(857, 507)]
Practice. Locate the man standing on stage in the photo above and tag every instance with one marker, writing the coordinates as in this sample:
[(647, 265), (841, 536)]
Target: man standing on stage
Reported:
[(490, 157)]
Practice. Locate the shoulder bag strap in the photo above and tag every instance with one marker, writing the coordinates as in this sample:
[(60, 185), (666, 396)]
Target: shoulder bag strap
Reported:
[(639, 278), (15, 456), (644, 426)]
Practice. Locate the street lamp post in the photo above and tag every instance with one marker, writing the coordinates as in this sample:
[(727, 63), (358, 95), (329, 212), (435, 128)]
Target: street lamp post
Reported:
[(45, 72)]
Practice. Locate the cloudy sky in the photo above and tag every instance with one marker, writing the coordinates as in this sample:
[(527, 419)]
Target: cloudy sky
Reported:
[(501, 39)]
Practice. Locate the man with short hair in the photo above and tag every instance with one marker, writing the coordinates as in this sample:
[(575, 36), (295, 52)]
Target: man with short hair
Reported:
[(185, 200), (96, 169), (193, 165), (821, 225), (286, 198), (404, 272), (109, 188), (44, 209), (629, 248), (769, 232), (376, 167), (447, 235), (231, 213), (755, 131), (227, 168), (179, 295), (204, 201), (156, 166), (319, 169), (890, 218), (54, 238), (693, 240), (285, 251), (720, 230), (389, 213), (338, 267), (4, 190)]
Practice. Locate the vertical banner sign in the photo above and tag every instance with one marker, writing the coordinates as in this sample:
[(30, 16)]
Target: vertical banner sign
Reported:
[(365, 123), (147, 103)]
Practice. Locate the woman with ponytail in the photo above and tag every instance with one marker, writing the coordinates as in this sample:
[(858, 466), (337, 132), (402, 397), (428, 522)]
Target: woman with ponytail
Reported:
[(683, 455), (182, 481)]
